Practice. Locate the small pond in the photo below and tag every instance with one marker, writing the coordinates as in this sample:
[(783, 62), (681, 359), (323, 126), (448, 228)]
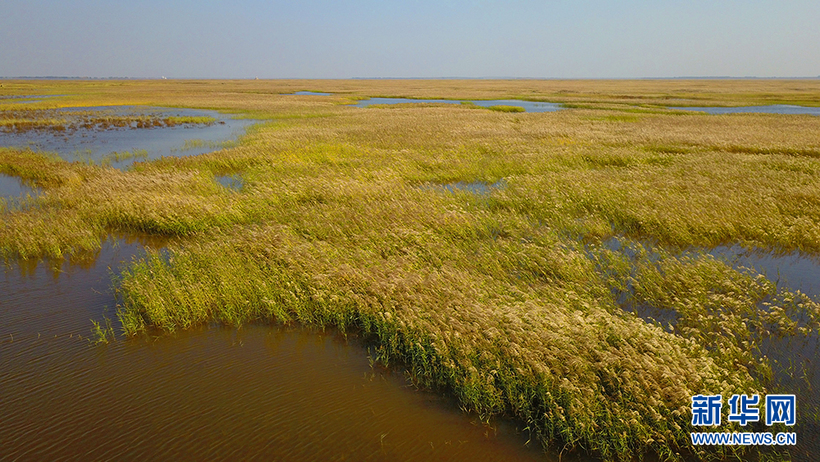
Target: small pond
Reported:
[(121, 135), (261, 392), (232, 182), (11, 186), (480, 188), (772, 109), (528, 106)]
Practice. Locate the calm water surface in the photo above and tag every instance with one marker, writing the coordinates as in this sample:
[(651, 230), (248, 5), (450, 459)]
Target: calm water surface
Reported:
[(11, 186), (529, 106), (256, 393), (230, 181), (309, 93), (771, 109), (792, 271), (25, 99), (95, 144)]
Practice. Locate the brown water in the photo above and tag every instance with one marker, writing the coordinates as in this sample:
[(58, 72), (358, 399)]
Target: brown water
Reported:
[(255, 393)]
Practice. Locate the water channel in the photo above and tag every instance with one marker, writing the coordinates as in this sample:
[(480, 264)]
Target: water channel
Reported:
[(527, 106), (770, 109)]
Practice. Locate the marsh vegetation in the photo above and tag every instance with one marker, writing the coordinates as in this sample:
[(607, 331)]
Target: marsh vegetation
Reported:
[(116, 135), (66, 379), (510, 300)]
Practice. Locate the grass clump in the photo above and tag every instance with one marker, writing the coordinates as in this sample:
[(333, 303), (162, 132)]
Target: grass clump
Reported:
[(504, 108), (102, 333), (189, 120), (120, 156)]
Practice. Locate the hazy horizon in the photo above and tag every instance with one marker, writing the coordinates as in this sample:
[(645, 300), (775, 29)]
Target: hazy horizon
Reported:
[(422, 39)]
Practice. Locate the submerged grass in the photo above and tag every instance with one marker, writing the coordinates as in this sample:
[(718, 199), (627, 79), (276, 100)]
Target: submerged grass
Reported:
[(119, 156), (507, 300), (21, 121)]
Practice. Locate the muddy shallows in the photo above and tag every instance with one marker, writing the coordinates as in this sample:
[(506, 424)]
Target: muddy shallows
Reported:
[(259, 392)]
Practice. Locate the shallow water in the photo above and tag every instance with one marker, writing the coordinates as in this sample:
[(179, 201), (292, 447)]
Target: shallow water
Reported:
[(11, 186), (25, 99), (475, 187), (771, 109), (231, 182), (256, 393), (792, 271), (795, 361), (97, 145), (308, 93), (529, 106)]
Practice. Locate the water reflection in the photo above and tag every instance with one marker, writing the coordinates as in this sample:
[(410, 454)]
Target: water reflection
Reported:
[(475, 187), (25, 99), (794, 359), (480, 188), (790, 271)]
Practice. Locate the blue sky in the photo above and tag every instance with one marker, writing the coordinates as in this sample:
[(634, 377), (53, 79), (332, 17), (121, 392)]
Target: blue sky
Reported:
[(368, 38)]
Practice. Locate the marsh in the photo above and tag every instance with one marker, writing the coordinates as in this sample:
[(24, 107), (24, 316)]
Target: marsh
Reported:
[(506, 300)]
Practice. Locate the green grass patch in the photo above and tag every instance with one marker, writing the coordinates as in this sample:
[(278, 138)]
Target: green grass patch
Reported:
[(503, 108)]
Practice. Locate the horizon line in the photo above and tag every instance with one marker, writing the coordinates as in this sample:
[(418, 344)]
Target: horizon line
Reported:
[(721, 77)]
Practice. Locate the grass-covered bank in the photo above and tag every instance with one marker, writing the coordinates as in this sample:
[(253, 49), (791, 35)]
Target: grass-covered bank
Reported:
[(506, 299)]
